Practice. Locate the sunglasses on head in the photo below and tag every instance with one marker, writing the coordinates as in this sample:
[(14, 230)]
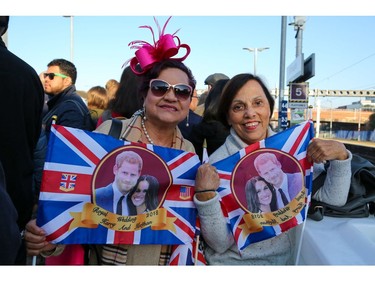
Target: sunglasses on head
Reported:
[(52, 75), (159, 88)]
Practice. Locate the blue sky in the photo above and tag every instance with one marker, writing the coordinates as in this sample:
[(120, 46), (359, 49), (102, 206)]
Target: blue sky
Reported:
[(343, 45)]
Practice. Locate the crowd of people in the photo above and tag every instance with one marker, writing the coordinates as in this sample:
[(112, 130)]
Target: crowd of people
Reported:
[(157, 104)]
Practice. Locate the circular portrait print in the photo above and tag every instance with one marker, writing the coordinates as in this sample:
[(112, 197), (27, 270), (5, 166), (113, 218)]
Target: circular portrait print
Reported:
[(266, 180), (130, 180)]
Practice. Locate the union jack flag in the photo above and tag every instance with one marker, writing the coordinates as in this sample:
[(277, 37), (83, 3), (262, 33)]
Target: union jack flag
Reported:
[(236, 169), (72, 217), (191, 253), (68, 182)]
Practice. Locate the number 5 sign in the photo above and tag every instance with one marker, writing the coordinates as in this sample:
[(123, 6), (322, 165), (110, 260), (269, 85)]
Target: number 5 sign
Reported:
[(298, 92)]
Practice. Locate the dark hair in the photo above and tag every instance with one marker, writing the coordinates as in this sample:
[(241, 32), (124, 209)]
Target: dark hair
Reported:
[(127, 99), (4, 22), (66, 68), (151, 198), (230, 91), (213, 99), (158, 67), (252, 198)]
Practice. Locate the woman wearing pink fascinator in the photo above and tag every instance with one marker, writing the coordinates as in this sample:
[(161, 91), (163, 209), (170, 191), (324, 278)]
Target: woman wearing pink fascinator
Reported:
[(164, 48), (166, 87)]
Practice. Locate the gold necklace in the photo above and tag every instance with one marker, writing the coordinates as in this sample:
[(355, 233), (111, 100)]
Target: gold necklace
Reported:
[(145, 131)]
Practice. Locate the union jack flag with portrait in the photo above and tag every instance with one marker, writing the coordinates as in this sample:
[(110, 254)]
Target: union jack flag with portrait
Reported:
[(249, 227), (77, 161)]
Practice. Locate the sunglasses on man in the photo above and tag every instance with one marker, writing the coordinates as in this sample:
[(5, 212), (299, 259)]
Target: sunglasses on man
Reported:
[(159, 88), (52, 75)]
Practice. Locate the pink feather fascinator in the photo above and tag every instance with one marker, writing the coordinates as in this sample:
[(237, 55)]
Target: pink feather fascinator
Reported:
[(166, 47)]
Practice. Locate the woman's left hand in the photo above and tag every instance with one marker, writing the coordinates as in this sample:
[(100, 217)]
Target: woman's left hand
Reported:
[(320, 150)]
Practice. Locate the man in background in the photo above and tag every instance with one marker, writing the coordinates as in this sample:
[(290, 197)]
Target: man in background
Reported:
[(210, 82), (64, 102)]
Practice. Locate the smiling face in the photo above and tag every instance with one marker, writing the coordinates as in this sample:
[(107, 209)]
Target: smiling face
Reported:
[(126, 176), (168, 109), (249, 113), (271, 172), (263, 192), (139, 195)]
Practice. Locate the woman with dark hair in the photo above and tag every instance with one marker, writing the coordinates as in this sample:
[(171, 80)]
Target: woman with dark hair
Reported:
[(166, 88), (210, 129), (260, 195), (246, 108), (126, 100), (144, 196)]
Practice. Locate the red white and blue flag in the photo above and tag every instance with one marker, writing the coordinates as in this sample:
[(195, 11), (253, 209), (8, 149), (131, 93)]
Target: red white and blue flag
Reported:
[(290, 147), (78, 161), (189, 254)]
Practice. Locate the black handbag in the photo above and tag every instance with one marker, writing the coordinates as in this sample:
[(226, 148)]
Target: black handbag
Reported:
[(361, 198)]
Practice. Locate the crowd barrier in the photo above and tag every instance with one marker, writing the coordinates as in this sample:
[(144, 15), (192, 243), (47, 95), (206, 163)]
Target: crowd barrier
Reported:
[(353, 135)]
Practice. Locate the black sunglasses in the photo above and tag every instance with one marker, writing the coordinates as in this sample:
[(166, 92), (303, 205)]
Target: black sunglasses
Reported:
[(159, 88), (52, 75)]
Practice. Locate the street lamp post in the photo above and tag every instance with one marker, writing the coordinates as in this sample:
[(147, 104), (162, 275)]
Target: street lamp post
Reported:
[(255, 50)]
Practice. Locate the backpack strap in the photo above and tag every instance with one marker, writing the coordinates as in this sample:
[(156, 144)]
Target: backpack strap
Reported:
[(81, 110), (106, 115), (116, 128), (316, 209)]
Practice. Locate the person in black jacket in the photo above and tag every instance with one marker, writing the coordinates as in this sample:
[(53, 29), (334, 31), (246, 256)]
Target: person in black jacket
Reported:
[(64, 102), (65, 106), (22, 103), (10, 238), (186, 125), (210, 129)]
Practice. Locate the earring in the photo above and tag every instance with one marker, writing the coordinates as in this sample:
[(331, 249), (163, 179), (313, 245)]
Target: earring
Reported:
[(187, 120), (144, 113)]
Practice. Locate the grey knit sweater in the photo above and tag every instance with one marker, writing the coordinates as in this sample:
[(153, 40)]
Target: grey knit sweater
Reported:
[(279, 250)]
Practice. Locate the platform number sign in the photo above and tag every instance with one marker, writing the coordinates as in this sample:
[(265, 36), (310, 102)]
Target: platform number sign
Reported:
[(298, 95), (284, 114)]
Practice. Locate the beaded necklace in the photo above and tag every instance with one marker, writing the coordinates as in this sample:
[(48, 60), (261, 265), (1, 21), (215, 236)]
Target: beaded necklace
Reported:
[(145, 131)]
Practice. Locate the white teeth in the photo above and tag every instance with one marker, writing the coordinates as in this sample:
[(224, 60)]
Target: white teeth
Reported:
[(251, 124)]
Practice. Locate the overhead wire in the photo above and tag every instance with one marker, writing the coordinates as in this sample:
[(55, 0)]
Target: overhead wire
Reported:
[(345, 68)]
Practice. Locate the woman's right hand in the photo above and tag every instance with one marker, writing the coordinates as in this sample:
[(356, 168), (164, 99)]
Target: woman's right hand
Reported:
[(206, 182), (35, 238)]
